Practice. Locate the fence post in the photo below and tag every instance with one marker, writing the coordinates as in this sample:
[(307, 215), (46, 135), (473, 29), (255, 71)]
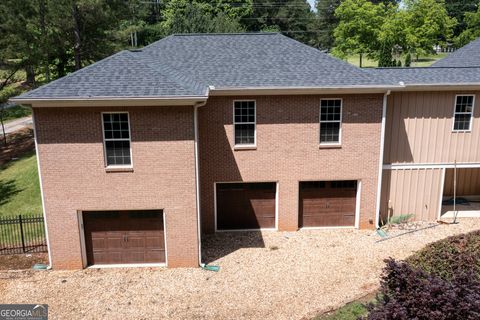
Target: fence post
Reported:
[(21, 232)]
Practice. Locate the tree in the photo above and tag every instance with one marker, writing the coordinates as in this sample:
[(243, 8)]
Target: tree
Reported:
[(293, 18), (472, 30), (358, 29), (427, 24), (458, 9), (20, 35), (386, 2), (200, 18), (326, 23)]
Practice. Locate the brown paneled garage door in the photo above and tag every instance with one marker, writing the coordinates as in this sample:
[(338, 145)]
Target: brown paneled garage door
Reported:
[(245, 206), (327, 203), (116, 237)]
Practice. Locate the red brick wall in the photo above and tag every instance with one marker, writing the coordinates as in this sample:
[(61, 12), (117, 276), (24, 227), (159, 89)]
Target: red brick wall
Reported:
[(288, 150), (74, 177)]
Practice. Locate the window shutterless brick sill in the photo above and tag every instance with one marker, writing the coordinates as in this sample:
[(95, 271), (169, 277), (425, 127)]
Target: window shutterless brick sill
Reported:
[(118, 169), (330, 146), (245, 148)]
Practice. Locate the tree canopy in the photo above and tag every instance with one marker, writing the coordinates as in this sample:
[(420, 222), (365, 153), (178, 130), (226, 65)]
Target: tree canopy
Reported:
[(50, 38), (380, 30)]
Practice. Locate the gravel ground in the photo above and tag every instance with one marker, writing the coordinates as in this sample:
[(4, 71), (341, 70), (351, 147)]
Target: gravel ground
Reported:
[(22, 261), (273, 275)]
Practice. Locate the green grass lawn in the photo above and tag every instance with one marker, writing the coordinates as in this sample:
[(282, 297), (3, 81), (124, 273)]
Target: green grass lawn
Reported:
[(422, 61), (350, 311), (19, 188)]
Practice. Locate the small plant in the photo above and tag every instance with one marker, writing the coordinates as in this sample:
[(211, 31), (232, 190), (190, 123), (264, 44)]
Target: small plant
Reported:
[(403, 218), (410, 293)]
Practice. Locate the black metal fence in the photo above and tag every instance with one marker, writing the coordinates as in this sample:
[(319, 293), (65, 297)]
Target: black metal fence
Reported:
[(22, 234)]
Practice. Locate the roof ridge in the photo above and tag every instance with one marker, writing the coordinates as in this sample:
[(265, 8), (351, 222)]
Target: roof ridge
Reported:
[(253, 33), (96, 63), (184, 81)]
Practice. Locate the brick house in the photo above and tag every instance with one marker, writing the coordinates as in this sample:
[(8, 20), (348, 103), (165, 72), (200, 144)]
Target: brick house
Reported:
[(143, 152)]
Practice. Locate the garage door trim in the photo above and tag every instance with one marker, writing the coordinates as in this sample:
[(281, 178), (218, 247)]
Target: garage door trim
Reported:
[(83, 247), (357, 207), (241, 230)]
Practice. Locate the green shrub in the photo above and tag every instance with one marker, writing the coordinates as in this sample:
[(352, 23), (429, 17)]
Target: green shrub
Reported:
[(15, 112), (450, 256), (8, 92), (408, 60)]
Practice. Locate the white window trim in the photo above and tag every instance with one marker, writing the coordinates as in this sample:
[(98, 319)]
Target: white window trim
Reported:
[(455, 113), (339, 143), (105, 146), (245, 146)]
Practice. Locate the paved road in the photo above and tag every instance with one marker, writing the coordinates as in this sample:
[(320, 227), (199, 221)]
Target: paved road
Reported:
[(16, 124)]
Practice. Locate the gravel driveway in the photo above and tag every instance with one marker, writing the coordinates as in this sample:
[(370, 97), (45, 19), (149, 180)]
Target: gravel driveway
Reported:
[(274, 275)]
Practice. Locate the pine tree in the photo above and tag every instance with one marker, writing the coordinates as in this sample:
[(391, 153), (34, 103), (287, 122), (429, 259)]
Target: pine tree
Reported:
[(326, 23)]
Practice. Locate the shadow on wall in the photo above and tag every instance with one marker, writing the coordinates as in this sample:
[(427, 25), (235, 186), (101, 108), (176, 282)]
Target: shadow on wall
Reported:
[(397, 145), (54, 125)]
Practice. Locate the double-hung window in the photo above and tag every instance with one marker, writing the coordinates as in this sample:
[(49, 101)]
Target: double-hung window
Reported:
[(463, 112), (330, 121), (244, 121), (116, 136)]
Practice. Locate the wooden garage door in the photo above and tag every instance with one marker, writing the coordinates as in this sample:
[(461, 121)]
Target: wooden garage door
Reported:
[(327, 203), (113, 237), (245, 206)]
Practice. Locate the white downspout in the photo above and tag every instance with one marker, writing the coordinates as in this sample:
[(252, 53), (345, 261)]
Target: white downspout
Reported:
[(380, 164), (197, 179), (41, 191)]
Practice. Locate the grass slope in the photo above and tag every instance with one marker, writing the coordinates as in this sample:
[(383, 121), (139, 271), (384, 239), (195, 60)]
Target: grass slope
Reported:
[(19, 188)]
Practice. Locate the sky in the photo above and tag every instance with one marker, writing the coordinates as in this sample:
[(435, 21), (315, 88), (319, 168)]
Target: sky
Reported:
[(312, 3)]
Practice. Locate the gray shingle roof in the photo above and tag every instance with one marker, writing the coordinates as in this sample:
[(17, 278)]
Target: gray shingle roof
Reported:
[(186, 65), (429, 75), (467, 56)]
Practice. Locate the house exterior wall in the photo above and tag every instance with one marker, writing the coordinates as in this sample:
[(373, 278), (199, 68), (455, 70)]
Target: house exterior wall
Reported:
[(411, 192), (288, 150), (468, 182), (419, 134), (419, 129), (71, 154)]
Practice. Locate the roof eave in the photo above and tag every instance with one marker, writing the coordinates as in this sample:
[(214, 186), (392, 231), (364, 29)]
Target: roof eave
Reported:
[(440, 86), (110, 101), (232, 91)]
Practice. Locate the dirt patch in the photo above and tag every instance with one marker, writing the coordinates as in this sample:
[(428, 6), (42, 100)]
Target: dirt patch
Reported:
[(18, 143), (309, 272), (22, 261)]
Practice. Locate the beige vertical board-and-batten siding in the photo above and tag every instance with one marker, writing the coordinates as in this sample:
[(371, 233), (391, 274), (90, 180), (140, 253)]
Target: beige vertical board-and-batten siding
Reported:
[(419, 129), (411, 191), (468, 182)]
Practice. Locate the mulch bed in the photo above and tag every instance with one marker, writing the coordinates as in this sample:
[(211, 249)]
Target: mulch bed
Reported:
[(18, 143), (22, 261)]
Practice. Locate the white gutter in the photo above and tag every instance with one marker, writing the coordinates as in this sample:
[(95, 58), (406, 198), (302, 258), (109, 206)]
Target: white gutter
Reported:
[(225, 91), (41, 192), (111, 101), (197, 179), (380, 164)]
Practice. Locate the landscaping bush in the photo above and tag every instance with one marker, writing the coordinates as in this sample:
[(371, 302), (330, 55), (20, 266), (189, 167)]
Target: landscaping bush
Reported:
[(410, 293), (450, 256)]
